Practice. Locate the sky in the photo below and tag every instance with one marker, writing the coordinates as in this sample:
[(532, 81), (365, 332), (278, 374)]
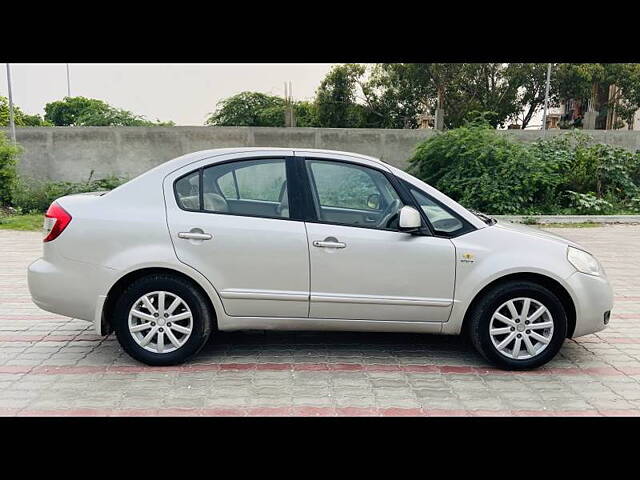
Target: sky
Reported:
[(184, 93)]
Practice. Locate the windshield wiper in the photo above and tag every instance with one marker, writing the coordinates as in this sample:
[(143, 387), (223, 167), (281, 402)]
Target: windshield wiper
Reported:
[(485, 218)]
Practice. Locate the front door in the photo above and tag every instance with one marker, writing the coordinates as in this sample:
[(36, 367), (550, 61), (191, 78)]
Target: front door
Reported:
[(362, 266), (239, 233)]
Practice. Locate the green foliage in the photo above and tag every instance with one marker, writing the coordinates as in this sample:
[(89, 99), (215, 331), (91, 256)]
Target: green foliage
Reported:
[(336, 98), (30, 222), (588, 203), (8, 172), (395, 94), (81, 111), (255, 109), (31, 195), (306, 115), (249, 109), (21, 119), (484, 170), (581, 81)]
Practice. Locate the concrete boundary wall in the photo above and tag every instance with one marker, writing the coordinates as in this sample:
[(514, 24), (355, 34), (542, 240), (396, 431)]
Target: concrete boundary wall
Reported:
[(71, 153)]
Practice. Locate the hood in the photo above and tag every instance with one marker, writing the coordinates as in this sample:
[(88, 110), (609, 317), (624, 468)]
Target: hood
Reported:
[(536, 232)]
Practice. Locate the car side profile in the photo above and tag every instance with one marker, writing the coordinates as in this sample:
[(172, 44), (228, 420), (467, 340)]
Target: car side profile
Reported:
[(304, 239)]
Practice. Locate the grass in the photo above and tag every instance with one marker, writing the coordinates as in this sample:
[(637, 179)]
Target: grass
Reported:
[(569, 225), (29, 222)]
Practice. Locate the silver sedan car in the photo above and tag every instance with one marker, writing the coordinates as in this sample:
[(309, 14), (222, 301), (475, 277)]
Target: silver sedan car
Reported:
[(288, 239)]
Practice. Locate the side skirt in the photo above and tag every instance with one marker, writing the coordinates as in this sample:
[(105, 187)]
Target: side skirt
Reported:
[(326, 324)]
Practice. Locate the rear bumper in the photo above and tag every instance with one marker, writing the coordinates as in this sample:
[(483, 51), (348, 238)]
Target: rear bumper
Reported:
[(67, 287), (593, 297)]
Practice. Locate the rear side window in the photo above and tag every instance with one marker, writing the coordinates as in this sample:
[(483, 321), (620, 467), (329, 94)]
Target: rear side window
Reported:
[(261, 181), (188, 191), (228, 185), (255, 188)]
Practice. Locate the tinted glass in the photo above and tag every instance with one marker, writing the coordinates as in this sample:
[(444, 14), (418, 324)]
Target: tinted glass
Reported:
[(441, 220), (249, 187), (353, 195), (188, 191)]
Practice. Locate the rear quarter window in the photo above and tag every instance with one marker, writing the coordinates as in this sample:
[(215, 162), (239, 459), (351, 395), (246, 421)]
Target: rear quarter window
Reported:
[(187, 190)]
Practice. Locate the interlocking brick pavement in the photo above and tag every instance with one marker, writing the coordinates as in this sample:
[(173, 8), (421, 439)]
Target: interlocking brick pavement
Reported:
[(52, 365)]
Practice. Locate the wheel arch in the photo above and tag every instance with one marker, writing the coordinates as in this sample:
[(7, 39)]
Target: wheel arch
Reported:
[(551, 284), (121, 284)]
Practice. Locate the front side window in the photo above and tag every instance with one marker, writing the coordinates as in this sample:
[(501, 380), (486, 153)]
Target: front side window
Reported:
[(353, 195), (442, 221)]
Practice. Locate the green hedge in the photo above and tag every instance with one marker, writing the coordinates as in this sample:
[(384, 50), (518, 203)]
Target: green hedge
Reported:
[(8, 176), (35, 196), (567, 174)]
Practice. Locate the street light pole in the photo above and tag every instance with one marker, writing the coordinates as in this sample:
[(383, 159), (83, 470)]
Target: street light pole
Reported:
[(68, 82), (546, 100), (12, 123)]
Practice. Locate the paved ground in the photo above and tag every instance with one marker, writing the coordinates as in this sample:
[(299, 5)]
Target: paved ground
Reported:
[(52, 365)]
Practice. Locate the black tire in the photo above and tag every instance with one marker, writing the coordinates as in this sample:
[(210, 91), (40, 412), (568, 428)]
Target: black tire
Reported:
[(480, 319), (200, 309)]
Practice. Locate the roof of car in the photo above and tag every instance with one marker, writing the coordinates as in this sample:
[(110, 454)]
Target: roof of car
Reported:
[(201, 154)]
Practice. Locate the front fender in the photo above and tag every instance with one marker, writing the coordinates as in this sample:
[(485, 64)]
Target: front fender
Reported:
[(487, 255)]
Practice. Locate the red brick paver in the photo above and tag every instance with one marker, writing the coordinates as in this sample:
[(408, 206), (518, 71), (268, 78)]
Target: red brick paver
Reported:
[(56, 366)]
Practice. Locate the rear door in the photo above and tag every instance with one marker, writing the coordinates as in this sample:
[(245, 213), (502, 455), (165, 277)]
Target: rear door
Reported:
[(231, 221)]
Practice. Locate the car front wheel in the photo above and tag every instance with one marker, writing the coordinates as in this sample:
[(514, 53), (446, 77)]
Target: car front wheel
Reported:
[(162, 320), (518, 325)]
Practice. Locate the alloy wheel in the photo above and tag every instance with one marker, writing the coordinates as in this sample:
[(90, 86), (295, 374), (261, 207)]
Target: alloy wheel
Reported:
[(160, 322), (521, 328)]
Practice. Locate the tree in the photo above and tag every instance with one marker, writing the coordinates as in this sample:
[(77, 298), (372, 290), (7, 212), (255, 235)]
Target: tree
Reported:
[(82, 111), (531, 78), (305, 114), (8, 170), (21, 119), (481, 87), (591, 82), (396, 93), (335, 101), (248, 109)]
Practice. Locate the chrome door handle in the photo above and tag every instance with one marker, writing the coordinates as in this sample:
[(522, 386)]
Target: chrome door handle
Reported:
[(195, 236), (325, 244)]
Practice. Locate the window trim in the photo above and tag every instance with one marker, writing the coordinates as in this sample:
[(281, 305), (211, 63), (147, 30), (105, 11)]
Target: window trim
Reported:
[(404, 195), (285, 158)]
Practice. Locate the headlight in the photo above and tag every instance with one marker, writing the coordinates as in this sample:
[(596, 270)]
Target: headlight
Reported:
[(583, 261)]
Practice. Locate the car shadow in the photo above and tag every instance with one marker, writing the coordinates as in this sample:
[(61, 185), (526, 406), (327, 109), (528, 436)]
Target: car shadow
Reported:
[(341, 346)]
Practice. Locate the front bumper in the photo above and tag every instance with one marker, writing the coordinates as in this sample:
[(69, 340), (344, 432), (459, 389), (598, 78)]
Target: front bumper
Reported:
[(593, 298)]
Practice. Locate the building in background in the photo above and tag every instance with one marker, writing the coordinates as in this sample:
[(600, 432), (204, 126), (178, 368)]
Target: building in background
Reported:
[(572, 112)]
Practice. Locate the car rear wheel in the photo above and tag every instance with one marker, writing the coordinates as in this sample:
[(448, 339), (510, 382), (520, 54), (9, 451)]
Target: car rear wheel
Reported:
[(162, 320), (518, 325)]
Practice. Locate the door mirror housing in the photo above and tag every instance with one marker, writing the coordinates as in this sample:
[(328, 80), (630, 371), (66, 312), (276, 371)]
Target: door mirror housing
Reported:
[(410, 220)]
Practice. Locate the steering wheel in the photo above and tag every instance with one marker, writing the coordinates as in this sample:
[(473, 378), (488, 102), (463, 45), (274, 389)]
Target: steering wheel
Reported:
[(388, 213)]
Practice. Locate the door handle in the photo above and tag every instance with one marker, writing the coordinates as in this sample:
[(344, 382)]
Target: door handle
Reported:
[(195, 236), (328, 244)]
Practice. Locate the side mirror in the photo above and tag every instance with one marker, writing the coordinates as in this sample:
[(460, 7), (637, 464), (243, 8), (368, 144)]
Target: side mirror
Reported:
[(373, 201), (409, 219)]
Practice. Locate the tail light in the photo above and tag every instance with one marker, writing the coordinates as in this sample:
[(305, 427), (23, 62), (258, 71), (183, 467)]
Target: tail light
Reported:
[(55, 221)]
